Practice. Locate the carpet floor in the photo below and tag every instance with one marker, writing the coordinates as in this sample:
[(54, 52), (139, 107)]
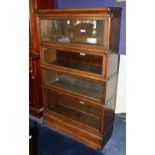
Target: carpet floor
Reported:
[(50, 142)]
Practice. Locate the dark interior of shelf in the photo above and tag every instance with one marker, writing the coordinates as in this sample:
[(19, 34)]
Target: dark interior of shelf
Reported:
[(79, 61), (72, 109), (75, 115), (86, 62)]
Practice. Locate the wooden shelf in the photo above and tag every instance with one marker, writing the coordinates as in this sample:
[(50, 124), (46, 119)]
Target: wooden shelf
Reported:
[(76, 115), (76, 89)]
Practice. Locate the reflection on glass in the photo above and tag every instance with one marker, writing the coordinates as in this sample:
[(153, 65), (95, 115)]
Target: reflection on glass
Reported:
[(72, 31), (79, 61)]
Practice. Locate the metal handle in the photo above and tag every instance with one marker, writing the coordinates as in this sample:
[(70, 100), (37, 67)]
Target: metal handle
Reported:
[(82, 54), (81, 102)]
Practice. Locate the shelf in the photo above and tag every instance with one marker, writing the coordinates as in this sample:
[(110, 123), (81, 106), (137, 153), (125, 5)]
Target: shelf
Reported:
[(73, 84), (74, 109), (82, 31), (75, 115), (74, 60), (76, 89)]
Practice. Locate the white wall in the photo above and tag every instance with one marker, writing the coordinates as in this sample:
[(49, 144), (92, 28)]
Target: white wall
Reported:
[(121, 91)]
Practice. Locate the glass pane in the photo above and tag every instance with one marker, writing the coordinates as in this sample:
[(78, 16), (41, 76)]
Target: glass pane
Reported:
[(81, 31), (80, 61), (73, 84), (74, 109)]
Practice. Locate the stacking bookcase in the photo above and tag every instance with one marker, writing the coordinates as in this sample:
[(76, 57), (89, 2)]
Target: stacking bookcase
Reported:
[(79, 50)]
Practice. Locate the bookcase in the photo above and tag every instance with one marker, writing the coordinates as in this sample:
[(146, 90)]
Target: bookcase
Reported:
[(79, 50)]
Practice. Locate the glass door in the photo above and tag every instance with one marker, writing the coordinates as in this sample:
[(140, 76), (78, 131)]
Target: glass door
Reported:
[(74, 109), (72, 84), (73, 60), (77, 31)]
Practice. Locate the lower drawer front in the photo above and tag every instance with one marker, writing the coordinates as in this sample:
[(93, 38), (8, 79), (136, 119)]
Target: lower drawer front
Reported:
[(73, 110), (72, 131)]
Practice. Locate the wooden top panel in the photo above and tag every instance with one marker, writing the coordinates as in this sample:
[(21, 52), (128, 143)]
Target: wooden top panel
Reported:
[(88, 11)]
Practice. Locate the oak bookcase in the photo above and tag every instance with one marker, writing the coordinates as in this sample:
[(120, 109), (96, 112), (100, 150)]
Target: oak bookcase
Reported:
[(79, 50)]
